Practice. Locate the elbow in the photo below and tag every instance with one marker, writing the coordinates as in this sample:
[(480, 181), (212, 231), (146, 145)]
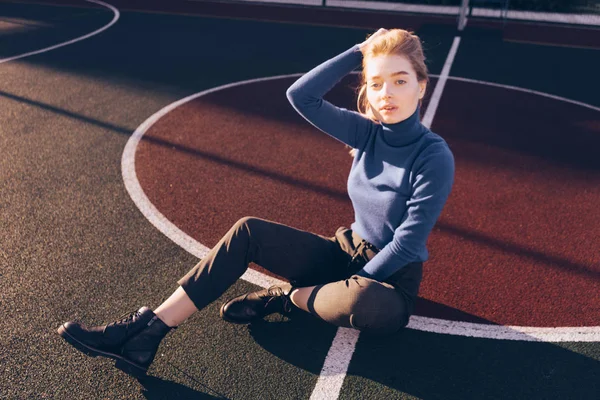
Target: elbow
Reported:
[(291, 94), (300, 99), (294, 96)]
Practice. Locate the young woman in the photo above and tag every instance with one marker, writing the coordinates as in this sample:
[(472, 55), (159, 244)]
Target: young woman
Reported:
[(365, 277)]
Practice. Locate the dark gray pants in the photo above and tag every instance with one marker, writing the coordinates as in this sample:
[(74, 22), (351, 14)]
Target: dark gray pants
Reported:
[(308, 259)]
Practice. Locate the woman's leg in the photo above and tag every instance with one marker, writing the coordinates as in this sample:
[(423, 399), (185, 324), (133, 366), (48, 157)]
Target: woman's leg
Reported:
[(294, 254), (363, 303), (133, 340), (303, 256), (176, 309), (356, 302), (300, 296)]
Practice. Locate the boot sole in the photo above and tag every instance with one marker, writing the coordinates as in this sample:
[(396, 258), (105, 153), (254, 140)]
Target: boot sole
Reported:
[(121, 363)]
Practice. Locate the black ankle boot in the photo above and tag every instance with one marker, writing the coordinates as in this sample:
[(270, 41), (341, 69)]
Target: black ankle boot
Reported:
[(256, 305), (139, 351), (132, 340)]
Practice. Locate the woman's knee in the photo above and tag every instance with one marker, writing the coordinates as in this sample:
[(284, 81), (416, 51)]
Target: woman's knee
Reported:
[(377, 309), (245, 221), (246, 225)]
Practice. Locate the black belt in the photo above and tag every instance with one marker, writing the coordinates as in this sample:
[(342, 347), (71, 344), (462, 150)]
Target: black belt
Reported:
[(365, 251)]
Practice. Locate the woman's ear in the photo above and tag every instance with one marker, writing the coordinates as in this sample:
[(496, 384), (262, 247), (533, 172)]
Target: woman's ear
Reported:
[(422, 88)]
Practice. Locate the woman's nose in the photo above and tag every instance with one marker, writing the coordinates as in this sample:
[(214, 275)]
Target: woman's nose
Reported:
[(386, 91)]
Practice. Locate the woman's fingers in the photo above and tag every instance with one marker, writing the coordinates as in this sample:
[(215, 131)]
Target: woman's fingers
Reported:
[(380, 31)]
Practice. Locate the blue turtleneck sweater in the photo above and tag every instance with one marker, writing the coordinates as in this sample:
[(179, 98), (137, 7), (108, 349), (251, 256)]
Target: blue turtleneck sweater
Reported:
[(401, 175)]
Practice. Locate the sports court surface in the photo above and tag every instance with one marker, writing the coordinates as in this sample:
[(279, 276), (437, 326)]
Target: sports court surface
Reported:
[(134, 134)]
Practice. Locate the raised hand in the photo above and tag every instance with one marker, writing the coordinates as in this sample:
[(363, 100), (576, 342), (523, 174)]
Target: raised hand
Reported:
[(380, 32)]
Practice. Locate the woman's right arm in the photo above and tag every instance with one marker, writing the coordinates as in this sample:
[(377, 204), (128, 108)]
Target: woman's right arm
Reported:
[(306, 96)]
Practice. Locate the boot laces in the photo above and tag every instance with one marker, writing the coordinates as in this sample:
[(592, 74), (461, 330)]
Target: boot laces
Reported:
[(124, 319), (276, 297)]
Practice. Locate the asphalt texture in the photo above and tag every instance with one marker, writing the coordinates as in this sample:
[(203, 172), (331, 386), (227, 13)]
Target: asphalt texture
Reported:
[(74, 246)]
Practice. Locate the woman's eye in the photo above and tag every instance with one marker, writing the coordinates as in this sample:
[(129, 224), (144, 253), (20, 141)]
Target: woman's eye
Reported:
[(374, 85), (400, 81)]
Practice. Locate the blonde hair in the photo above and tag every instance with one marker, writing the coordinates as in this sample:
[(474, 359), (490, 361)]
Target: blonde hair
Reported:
[(393, 42)]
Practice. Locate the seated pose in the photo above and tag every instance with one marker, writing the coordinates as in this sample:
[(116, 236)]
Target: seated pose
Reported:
[(365, 277)]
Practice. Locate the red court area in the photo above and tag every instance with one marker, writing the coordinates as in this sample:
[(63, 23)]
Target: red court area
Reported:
[(517, 243)]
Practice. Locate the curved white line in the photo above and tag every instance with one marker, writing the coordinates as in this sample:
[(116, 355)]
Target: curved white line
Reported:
[(148, 209), (524, 333), (520, 89), (56, 46)]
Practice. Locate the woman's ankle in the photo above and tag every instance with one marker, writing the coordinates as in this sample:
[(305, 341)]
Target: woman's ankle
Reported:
[(176, 309), (165, 320)]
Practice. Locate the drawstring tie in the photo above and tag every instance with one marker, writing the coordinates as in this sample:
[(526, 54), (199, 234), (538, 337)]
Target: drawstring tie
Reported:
[(360, 256)]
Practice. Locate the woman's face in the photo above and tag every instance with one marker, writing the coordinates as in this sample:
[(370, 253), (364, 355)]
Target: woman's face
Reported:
[(393, 90)]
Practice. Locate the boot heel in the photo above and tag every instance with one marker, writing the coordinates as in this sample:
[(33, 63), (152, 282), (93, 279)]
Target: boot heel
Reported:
[(130, 368)]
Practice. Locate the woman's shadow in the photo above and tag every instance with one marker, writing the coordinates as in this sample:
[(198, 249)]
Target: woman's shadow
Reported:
[(154, 388), (430, 365)]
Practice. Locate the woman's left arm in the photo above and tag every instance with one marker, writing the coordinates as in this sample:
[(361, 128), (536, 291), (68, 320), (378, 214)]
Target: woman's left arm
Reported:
[(306, 96), (431, 188)]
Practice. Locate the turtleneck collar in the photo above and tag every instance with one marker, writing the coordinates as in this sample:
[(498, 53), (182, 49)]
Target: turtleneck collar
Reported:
[(404, 132)]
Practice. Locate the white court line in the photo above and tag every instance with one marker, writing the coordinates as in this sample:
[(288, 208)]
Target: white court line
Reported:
[(387, 6), (336, 365), (441, 83), (520, 333), (148, 209), (520, 89), (582, 19), (338, 358), (564, 18), (56, 46)]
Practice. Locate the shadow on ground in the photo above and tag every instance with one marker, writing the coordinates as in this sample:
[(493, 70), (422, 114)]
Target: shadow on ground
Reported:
[(155, 388), (429, 365)]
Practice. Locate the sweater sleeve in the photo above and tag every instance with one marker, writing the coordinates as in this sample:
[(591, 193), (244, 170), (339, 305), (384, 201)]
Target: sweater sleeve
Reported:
[(306, 96), (431, 188)]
